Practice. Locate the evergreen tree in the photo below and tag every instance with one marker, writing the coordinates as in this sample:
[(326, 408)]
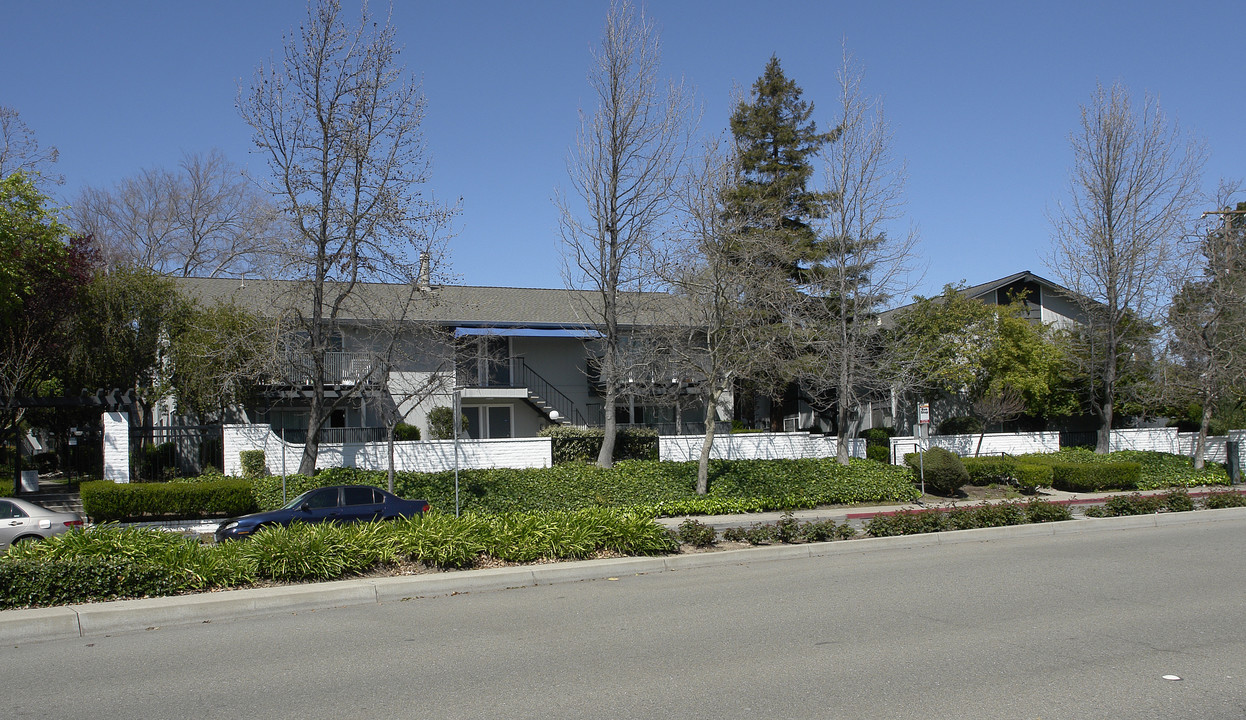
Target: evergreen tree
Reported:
[(776, 140)]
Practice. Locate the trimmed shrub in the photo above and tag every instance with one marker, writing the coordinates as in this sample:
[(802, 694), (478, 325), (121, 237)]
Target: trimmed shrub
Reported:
[(990, 469), (441, 423), (1027, 476), (1096, 477), (1040, 511), (649, 488), (826, 530), (696, 534), (41, 582), (406, 433), (1227, 499), (581, 444), (105, 501), (907, 522), (915, 522), (944, 472), (878, 437), (878, 453), (1159, 470), (1177, 500), (1030, 477), (253, 464)]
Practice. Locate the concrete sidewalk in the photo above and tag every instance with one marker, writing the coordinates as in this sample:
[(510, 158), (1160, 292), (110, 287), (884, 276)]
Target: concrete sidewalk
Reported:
[(121, 616)]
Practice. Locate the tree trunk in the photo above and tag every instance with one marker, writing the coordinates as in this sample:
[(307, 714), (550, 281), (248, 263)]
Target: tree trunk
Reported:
[(609, 425), (311, 444), (1200, 447), (703, 462)]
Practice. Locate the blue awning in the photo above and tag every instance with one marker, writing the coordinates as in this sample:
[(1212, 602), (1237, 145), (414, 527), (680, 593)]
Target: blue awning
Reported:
[(579, 333)]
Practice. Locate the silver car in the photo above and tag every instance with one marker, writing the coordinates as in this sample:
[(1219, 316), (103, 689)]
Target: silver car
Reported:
[(21, 520)]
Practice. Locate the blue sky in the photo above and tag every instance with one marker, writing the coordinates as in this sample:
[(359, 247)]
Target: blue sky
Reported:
[(981, 96)]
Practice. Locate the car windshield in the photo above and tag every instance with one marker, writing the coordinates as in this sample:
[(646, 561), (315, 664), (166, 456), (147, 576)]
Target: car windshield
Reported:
[(297, 501)]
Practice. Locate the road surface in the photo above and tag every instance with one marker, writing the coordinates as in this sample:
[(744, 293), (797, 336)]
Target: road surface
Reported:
[(1077, 626)]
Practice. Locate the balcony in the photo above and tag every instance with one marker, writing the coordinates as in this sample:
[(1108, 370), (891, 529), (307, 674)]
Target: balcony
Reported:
[(340, 368)]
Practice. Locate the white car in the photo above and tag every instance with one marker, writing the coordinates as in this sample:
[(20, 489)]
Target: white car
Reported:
[(21, 520)]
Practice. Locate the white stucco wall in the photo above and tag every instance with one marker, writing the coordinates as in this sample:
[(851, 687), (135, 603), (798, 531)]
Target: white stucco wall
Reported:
[(753, 446), (992, 444), (422, 456)]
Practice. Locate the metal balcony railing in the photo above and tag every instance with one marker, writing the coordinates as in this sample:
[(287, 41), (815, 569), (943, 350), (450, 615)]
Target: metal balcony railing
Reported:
[(340, 368), (515, 373)]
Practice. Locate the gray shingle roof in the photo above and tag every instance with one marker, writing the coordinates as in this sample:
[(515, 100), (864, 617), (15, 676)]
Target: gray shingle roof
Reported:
[(451, 305)]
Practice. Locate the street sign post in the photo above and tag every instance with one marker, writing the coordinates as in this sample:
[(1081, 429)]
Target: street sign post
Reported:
[(923, 427)]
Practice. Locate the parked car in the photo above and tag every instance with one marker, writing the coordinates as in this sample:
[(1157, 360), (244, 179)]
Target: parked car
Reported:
[(21, 520), (338, 503)]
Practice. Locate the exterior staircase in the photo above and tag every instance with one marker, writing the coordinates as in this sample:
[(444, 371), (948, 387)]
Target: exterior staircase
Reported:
[(56, 496), (546, 409)]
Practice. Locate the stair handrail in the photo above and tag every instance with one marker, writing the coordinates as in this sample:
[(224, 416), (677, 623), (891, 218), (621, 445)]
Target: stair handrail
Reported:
[(524, 376)]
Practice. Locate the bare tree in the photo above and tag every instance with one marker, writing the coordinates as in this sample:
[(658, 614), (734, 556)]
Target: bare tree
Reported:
[(204, 219), (1207, 321), (622, 170), (998, 405), (723, 283), (1117, 241), (850, 359), (338, 120), (20, 151)]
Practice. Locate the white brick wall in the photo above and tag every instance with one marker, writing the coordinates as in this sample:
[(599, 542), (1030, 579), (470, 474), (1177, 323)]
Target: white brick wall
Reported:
[(753, 446), (1159, 439), (117, 447), (992, 444), (421, 456), (437, 455)]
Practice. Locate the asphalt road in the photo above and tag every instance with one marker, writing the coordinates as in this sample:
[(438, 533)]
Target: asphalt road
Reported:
[(1077, 626)]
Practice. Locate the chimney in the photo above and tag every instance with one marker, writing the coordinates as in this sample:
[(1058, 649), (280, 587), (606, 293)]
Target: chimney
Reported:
[(424, 281)]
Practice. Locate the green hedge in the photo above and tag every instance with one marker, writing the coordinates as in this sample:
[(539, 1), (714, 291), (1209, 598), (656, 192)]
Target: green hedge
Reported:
[(664, 488), (107, 562), (1096, 477), (253, 464), (989, 469), (580, 444), (41, 582), (105, 501), (914, 522), (1158, 470), (1027, 476)]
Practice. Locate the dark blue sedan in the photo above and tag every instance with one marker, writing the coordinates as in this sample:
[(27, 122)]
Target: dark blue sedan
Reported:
[(338, 503)]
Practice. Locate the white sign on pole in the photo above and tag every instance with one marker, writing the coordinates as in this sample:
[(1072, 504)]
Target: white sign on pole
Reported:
[(923, 414)]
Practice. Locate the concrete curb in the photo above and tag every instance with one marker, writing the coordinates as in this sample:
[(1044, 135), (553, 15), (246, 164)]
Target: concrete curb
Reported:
[(119, 616)]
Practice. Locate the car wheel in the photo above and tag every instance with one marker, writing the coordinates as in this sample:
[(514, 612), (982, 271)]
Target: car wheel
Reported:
[(25, 539)]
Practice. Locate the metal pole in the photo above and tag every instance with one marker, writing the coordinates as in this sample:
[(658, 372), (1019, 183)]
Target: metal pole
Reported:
[(455, 420)]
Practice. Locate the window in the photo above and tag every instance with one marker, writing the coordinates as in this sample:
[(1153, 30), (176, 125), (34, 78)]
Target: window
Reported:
[(488, 421), (8, 510), (500, 421), (321, 499), (484, 361), (359, 495)]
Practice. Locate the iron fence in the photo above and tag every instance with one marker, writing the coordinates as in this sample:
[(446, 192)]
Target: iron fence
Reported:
[(168, 451)]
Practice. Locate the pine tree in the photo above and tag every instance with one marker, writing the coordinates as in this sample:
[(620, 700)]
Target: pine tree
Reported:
[(776, 141)]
